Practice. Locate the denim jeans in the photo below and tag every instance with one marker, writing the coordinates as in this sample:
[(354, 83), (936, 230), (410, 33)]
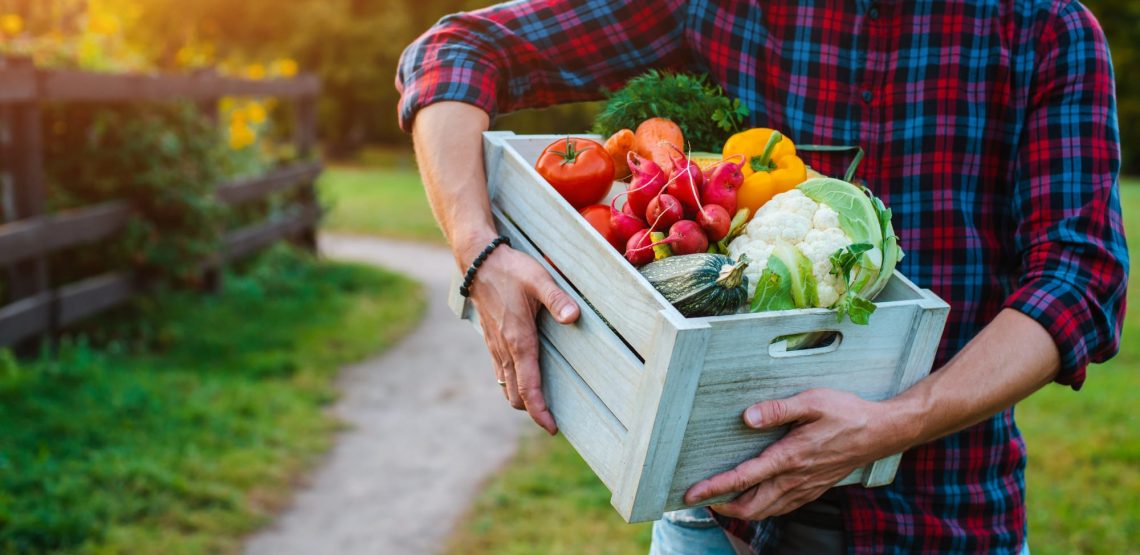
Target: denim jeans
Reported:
[(689, 532), (694, 532)]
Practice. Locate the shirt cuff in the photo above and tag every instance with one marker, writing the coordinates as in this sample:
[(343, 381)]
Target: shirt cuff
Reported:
[(460, 80), (1061, 309)]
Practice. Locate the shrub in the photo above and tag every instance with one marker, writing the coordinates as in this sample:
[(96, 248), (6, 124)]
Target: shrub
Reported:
[(165, 159)]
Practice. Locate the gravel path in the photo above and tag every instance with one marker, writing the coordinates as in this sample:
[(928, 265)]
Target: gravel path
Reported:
[(427, 424)]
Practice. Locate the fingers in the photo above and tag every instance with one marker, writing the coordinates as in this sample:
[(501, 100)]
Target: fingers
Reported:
[(543, 288), (770, 463), (782, 412), (500, 357), (766, 500), (508, 293), (774, 497), (524, 353)]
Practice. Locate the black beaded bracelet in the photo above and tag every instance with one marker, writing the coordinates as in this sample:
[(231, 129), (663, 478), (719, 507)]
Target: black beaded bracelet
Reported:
[(465, 289)]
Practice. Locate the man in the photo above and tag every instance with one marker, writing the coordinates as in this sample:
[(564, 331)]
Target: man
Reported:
[(990, 130)]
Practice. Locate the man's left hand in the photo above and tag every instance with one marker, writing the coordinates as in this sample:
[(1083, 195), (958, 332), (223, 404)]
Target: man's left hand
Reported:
[(833, 433)]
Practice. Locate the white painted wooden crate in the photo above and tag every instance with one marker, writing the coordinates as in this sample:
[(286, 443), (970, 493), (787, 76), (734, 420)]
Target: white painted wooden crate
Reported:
[(653, 400)]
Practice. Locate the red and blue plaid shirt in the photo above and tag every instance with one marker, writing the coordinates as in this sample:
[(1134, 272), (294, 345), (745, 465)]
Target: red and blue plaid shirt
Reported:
[(990, 130)]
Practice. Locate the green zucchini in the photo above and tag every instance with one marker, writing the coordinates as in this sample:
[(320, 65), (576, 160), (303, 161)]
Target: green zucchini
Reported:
[(701, 284)]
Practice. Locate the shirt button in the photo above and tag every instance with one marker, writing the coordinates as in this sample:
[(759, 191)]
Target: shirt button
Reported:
[(874, 13), (866, 96)]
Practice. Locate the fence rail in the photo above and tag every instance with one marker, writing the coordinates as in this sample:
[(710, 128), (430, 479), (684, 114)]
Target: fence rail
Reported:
[(33, 309)]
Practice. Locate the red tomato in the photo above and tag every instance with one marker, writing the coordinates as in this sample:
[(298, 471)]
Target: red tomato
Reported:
[(599, 217), (579, 169)]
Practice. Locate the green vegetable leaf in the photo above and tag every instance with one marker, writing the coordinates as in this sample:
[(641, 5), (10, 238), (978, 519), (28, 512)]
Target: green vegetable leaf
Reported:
[(860, 309), (774, 290), (803, 285), (857, 215), (851, 304), (843, 261)]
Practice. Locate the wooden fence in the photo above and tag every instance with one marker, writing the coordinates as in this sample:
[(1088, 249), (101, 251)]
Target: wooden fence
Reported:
[(33, 308)]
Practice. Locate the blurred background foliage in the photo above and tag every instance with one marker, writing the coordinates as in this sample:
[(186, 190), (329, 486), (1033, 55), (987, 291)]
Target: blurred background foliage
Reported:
[(354, 46)]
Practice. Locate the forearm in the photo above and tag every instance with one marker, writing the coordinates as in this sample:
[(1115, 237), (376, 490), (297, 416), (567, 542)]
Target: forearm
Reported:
[(1011, 358), (449, 149)]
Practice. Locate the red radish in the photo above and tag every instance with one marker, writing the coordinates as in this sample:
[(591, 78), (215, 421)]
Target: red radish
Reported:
[(714, 219), (686, 237), (686, 182), (664, 211), (721, 183), (639, 249), (623, 226), (647, 182), (627, 209)]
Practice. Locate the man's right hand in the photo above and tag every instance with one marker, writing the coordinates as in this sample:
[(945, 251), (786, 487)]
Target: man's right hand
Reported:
[(509, 290)]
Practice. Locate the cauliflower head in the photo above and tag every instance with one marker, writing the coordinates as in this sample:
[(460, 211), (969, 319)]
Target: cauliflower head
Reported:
[(807, 225)]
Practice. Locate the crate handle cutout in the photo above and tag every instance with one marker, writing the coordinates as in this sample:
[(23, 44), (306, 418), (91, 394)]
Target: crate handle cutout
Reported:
[(778, 348)]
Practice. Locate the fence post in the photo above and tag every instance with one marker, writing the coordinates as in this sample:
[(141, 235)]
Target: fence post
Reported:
[(212, 267), (29, 197), (305, 138), (24, 158)]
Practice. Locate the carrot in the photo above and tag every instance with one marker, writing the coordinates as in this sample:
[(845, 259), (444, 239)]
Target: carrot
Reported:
[(653, 139), (618, 146)]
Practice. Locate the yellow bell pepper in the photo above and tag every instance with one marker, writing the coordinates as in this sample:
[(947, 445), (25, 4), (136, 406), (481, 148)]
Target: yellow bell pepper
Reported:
[(770, 167)]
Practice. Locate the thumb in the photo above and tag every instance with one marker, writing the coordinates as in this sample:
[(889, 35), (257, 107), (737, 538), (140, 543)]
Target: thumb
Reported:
[(781, 412), (560, 305)]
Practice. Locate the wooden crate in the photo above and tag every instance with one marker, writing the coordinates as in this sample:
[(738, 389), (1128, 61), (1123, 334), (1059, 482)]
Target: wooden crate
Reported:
[(652, 400)]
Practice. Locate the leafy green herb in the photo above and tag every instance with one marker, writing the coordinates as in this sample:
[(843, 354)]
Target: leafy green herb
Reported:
[(851, 304), (705, 115)]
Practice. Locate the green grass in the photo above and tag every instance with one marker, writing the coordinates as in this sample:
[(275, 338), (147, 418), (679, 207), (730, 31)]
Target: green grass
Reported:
[(1084, 460), (546, 501), (379, 201), (1083, 476), (188, 445)]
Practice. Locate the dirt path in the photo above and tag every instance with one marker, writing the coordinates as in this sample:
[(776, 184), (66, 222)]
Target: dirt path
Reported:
[(427, 425)]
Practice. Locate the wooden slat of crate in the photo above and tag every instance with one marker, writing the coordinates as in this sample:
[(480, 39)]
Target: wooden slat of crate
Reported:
[(614, 287), (592, 349), (923, 346), (588, 424), (664, 401), (581, 416)]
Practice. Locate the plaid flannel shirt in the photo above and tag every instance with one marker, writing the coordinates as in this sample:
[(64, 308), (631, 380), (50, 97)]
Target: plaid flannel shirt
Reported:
[(990, 129)]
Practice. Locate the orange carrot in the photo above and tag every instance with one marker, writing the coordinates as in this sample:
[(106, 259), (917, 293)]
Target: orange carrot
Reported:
[(653, 138), (618, 146)]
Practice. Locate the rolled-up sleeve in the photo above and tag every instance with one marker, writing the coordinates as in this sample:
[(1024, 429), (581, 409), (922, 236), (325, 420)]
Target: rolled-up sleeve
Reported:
[(534, 54), (1074, 260)]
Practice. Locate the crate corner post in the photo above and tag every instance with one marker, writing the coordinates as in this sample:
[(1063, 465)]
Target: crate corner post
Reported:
[(664, 403)]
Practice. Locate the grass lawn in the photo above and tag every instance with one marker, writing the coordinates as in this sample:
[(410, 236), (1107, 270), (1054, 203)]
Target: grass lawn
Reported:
[(371, 200), (1083, 476), (1084, 458), (187, 445)]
